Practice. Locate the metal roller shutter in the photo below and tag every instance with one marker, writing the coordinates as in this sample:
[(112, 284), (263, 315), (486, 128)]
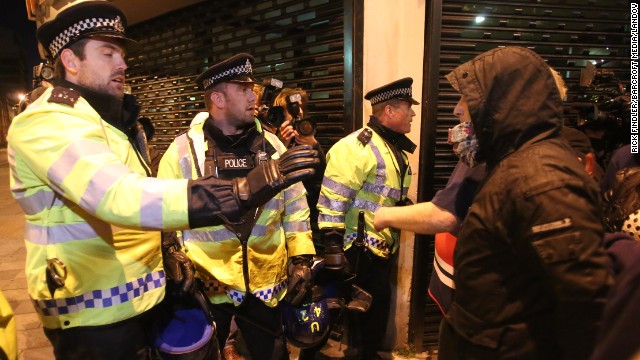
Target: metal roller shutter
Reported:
[(299, 42)]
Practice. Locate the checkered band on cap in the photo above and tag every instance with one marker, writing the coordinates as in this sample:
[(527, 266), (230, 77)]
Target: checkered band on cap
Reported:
[(391, 94), (399, 89), (245, 69), (83, 26)]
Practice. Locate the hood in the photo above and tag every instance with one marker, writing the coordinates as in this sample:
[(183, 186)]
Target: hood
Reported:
[(512, 98)]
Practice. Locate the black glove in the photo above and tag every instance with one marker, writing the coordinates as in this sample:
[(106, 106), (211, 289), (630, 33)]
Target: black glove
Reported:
[(300, 281), (212, 202), (360, 299), (333, 240), (177, 264), (265, 181)]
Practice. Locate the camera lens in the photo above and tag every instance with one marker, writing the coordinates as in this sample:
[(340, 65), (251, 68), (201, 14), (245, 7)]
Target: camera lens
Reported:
[(275, 116), (305, 127)]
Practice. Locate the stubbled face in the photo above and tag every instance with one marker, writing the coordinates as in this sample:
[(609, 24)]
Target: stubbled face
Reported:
[(103, 68), (240, 102), (401, 117)]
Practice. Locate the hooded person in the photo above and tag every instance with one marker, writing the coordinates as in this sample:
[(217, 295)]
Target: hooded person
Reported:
[(531, 272)]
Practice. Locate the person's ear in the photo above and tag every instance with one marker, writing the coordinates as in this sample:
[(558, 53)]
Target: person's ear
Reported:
[(70, 61), (218, 99), (389, 110)]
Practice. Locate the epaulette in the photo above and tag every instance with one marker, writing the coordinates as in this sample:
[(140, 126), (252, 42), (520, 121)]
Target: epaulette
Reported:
[(365, 136), (63, 95)]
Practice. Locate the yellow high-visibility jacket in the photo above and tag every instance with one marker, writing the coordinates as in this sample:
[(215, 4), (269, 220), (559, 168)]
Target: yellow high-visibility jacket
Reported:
[(8, 336), (362, 177), (222, 261), (89, 205)]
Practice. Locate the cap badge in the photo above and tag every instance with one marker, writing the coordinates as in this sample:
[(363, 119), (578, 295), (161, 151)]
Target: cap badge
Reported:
[(118, 24)]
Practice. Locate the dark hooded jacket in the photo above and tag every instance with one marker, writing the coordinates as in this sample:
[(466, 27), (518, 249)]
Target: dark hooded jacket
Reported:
[(531, 271)]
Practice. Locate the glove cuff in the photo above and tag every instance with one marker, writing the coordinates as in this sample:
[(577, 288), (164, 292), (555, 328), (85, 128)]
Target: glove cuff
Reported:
[(212, 202), (260, 184), (333, 240), (305, 260)]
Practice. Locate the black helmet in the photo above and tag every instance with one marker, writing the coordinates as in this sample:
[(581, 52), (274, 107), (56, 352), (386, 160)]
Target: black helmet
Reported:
[(309, 324), (306, 325)]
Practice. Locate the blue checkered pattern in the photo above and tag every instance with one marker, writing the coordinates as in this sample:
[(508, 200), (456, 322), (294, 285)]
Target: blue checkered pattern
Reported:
[(268, 293), (214, 287), (236, 296), (101, 298), (371, 241)]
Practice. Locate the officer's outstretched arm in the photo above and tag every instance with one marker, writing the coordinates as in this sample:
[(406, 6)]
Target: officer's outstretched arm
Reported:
[(213, 201)]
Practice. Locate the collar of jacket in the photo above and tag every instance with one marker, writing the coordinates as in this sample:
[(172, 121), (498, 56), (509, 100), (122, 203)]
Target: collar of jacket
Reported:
[(251, 137), (120, 113), (399, 140)]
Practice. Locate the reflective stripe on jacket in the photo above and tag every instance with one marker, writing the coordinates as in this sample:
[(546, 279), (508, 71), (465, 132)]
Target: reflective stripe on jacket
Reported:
[(361, 177), (282, 226), (89, 204)]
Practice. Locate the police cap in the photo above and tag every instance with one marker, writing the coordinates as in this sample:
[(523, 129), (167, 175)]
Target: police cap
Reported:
[(238, 68), (399, 89), (82, 20)]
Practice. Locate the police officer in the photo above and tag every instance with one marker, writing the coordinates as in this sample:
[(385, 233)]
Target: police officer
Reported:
[(243, 264), (94, 266), (366, 170)]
